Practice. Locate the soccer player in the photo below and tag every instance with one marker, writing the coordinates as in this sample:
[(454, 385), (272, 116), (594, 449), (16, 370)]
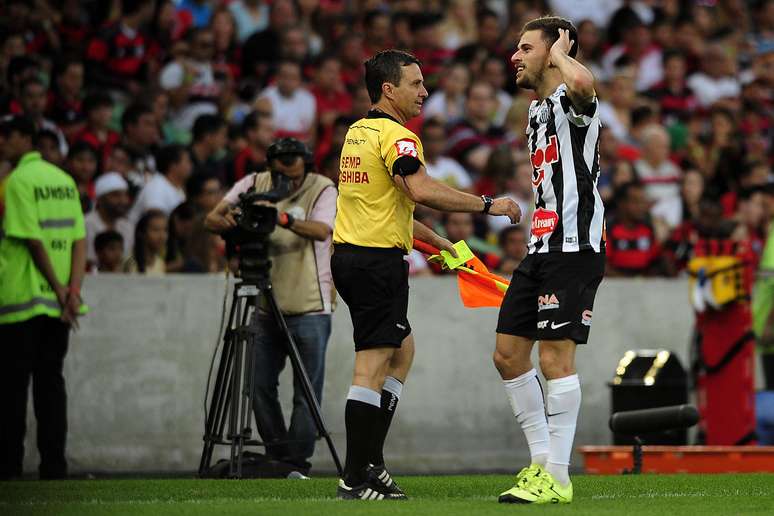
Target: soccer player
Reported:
[(551, 295), (382, 174)]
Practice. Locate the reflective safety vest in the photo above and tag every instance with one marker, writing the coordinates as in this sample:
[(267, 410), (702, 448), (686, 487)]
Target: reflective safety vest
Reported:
[(41, 203)]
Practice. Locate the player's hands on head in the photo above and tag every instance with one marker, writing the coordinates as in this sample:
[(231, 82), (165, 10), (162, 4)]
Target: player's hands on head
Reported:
[(563, 44), (508, 207)]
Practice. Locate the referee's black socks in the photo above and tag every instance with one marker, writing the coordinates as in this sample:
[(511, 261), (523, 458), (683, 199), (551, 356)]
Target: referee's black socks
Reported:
[(390, 396), (363, 418)]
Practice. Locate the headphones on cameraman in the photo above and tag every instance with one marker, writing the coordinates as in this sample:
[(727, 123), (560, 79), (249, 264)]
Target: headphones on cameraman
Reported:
[(291, 147)]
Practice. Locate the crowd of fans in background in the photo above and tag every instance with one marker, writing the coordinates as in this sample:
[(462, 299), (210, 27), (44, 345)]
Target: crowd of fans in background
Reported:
[(155, 107)]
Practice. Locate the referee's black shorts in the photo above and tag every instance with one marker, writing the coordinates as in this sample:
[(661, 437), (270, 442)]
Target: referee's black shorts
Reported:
[(374, 283), (551, 296)]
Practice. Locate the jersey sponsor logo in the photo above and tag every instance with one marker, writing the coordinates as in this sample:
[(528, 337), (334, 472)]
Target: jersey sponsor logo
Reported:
[(586, 317), (353, 176), (548, 302), (544, 221), (407, 147), (537, 177), (350, 161), (545, 156), (58, 193)]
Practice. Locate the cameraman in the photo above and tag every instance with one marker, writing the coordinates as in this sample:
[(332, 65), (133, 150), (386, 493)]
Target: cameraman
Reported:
[(302, 283)]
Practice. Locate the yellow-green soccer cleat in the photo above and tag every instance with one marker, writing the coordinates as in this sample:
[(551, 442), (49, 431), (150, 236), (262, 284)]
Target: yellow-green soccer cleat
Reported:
[(535, 485), (520, 493), (549, 490)]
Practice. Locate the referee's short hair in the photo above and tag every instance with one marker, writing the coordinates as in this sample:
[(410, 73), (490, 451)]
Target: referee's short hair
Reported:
[(549, 26), (386, 67)]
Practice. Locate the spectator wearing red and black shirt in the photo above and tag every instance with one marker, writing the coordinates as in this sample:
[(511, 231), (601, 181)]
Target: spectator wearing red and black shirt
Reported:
[(65, 106), (331, 97), (673, 95), (98, 110), (632, 249), (472, 140), (428, 46), (120, 53), (258, 131)]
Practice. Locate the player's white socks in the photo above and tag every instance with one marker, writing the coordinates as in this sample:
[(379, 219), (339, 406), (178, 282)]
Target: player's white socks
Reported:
[(563, 404), (526, 397)]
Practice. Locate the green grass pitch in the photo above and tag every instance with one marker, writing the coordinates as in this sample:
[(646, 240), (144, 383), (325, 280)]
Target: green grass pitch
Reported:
[(659, 495)]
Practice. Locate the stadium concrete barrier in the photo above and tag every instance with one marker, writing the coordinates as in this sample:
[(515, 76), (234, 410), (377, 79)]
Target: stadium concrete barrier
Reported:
[(136, 374)]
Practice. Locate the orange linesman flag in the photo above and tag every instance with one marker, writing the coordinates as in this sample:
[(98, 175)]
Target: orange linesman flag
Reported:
[(478, 287)]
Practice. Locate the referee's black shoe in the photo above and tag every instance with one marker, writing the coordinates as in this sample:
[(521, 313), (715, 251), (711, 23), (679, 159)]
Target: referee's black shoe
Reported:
[(382, 476)]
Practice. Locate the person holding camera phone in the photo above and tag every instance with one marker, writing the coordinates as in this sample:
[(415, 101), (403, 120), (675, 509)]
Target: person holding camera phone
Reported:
[(302, 283)]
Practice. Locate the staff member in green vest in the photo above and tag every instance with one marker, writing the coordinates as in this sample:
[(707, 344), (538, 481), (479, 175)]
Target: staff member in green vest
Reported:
[(42, 262), (300, 250)]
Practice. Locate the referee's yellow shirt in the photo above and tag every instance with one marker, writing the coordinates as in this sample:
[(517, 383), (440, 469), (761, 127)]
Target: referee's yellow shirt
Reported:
[(372, 211)]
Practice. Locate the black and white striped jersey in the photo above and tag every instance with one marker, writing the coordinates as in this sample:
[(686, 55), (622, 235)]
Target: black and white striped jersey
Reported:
[(564, 150)]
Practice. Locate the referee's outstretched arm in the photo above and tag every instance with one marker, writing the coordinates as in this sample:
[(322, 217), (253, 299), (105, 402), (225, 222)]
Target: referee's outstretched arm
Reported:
[(423, 189)]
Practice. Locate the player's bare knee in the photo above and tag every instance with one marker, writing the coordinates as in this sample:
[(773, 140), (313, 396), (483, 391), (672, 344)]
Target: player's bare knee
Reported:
[(511, 365)]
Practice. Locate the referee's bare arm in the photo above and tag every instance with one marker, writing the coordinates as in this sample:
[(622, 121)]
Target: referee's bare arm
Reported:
[(423, 189), (578, 78)]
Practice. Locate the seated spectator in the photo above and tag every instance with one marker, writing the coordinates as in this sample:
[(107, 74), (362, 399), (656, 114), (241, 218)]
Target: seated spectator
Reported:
[(717, 78), (34, 97), (119, 54), (495, 73), (165, 191), (200, 254), (261, 51), (294, 109), (438, 166), (178, 234), (632, 249), (191, 82), (98, 112), (150, 240), (258, 132), (210, 135), (251, 16), (512, 242), (112, 193), (472, 140), (615, 113), (331, 96), (459, 226), (329, 166), (140, 136), (203, 191), (81, 163), (675, 98), (448, 101), (658, 173), (48, 145), (65, 102), (517, 186), (636, 47), (109, 251)]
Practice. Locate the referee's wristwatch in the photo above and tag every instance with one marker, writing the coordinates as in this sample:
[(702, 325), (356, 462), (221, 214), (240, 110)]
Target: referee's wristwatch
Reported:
[(487, 203)]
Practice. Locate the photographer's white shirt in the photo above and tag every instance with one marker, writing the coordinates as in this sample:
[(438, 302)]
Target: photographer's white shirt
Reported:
[(324, 210)]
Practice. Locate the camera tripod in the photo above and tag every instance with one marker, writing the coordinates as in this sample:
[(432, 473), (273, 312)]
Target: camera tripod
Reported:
[(232, 397)]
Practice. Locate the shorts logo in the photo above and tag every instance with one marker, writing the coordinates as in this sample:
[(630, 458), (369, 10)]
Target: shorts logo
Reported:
[(586, 317), (541, 325), (547, 302), (544, 222), (400, 326), (407, 147)]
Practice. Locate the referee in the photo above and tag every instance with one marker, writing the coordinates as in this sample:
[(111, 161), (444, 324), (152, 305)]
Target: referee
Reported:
[(382, 176)]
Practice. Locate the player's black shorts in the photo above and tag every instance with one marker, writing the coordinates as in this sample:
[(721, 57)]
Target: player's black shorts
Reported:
[(374, 284), (551, 296)]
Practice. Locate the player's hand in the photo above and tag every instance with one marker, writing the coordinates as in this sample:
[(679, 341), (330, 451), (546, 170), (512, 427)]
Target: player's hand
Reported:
[(506, 206), (562, 45)]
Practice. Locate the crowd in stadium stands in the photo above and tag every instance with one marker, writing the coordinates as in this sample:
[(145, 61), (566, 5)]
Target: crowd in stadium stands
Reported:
[(156, 107)]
